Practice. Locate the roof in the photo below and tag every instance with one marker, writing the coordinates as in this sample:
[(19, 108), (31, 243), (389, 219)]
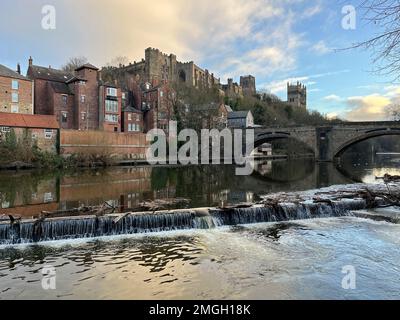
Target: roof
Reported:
[(50, 74), (228, 108), (131, 109), (28, 121), (62, 88), (75, 79), (87, 66), (7, 72), (238, 114)]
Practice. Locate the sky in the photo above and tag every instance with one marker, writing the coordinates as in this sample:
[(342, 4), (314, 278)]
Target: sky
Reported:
[(275, 40)]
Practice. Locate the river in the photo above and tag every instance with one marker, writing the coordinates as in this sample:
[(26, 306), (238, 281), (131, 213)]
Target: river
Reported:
[(287, 260)]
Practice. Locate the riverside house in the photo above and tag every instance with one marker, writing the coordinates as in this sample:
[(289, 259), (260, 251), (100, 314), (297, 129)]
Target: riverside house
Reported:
[(43, 130)]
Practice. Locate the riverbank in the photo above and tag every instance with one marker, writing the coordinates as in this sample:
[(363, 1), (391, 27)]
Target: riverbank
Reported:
[(81, 161)]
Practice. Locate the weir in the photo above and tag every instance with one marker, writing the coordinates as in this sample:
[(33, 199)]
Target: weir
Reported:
[(31, 231)]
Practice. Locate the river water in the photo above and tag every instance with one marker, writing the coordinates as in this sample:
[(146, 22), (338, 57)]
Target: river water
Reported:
[(288, 260)]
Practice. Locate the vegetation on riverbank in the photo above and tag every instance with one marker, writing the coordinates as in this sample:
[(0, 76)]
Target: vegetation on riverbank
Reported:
[(23, 153)]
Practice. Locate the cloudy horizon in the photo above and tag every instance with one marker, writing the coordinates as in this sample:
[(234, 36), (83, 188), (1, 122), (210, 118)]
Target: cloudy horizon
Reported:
[(276, 41)]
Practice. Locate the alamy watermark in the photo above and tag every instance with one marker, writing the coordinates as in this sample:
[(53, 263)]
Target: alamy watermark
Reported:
[(349, 20), (49, 16), (350, 278), (49, 280), (238, 146)]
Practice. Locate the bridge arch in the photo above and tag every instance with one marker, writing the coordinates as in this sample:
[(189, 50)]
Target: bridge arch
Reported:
[(338, 152), (268, 137)]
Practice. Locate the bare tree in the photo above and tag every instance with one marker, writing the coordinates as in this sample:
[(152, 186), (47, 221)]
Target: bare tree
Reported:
[(74, 63), (118, 61), (393, 111), (385, 45)]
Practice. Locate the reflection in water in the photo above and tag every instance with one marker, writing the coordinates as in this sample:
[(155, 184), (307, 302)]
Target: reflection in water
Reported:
[(301, 260), (29, 193)]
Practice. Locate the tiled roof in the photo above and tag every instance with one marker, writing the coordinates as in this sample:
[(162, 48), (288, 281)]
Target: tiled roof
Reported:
[(28, 121), (131, 109), (7, 72), (50, 74), (62, 88), (87, 66), (238, 114)]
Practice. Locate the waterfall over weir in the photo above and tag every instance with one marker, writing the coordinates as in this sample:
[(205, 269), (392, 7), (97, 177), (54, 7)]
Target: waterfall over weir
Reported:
[(31, 231)]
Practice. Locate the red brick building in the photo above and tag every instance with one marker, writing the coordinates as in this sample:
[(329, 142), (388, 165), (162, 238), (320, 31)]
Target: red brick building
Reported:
[(132, 118), (157, 105), (79, 101), (41, 129), (110, 107), (16, 91)]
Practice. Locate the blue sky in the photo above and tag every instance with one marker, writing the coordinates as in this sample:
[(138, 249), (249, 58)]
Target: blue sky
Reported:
[(275, 40)]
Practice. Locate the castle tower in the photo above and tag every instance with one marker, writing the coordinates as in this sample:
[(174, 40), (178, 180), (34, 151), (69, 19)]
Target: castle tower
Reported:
[(297, 95), (248, 83)]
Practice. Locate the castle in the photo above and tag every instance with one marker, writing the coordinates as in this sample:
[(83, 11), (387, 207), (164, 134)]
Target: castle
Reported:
[(297, 95), (158, 67)]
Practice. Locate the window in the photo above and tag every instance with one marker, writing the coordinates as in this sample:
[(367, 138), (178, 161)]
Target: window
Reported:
[(14, 97), (161, 94), (64, 99), (5, 129), (130, 116), (123, 95), (111, 92), (111, 106), (14, 108), (83, 115), (111, 118), (48, 133), (34, 136), (15, 85), (48, 197), (133, 127), (83, 98), (64, 117)]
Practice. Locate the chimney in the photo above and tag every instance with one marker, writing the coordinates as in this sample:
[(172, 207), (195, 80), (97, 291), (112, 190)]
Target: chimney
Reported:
[(19, 68), (30, 61)]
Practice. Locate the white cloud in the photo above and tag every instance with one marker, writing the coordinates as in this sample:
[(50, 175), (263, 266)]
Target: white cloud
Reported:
[(367, 108), (280, 85), (321, 48), (228, 37), (332, 98)]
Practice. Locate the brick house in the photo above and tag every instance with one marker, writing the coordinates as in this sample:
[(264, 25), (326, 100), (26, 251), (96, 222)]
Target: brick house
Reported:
[(80, 101), (212, 115), (132, 118), (157, 105), (16, 91), (43, 130), (110, 102)]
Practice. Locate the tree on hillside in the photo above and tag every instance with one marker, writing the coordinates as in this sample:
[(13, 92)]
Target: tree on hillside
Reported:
[(73, 63), (385, 45), (118, 61)]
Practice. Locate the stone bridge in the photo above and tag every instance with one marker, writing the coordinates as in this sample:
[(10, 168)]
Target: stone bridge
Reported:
[(328, 142)]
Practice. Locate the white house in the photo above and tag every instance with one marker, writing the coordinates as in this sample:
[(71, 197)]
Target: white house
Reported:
[(240, 119)]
